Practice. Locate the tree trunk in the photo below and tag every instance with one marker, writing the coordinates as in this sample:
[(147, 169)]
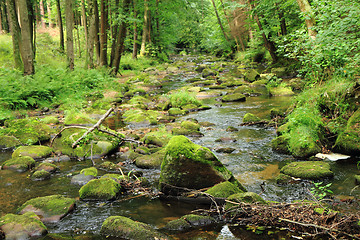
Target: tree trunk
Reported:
[(309, 17), (61, 28), (4, 18), (96, 23), (114, 32), (91, 36), (219, 21), (103, 32), (120, 39), (51, 24), (270, 46), (15, 33), (42, 14), (145, 32), (83, 12), (135, 45), (69, 15)]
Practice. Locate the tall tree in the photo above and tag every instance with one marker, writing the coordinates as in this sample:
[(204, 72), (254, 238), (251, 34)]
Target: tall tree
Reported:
[(219, 20), (135, 44), (103, 31), (92, 34), (42, 14), (146, 28), (60, 24), (305, 8), (15, 33), (69, 17), (48, 6)]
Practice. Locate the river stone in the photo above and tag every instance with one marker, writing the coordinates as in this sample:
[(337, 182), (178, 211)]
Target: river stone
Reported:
[(177, 112), (281, 91), (49, 167), (313, 170), (192, 166), (251, 75), (236, 97), (151, 161), (246, 197), (40, 175), (125, 228), (249, 117), (34, 151), (50, 208), (225, 150), (22, 226), (92, 171), (7, 142), (20, 164), (81, 179), (110, 166), (223, 190), (349, 141), (101, 189), (189, 221)]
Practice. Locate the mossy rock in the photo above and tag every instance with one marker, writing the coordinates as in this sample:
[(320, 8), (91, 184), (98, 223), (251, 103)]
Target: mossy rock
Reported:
[(249, 117), (20, 164), (116, 177), (78, 118), (9, 142), (231, 129), (34, 151), (208, 72), (50, 208), (281, 91), (274, 112), (135, 116), (92, 171), (225, 150), (246, 197), (50, 120), (283, 179), (40, 175), (29, 131), (189, 221), (303, 142), (245, 89), (313, 170), (49, 167), (125, 228), (186, 132), (151, 161), (279, 72), (177, 112), (190, 125), (349, 141), (236, 97), (23, 226), (109, 166), (157, 138), (81, 179), (223, 190), (251, 75), (280, 144), (100, 189), (357, 179), (192, 166)]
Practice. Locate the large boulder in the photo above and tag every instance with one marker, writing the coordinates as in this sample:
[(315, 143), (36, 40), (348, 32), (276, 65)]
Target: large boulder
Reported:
[(125, 228), (35, 152), (188, 165), (349, 141), (20, 164), (7, 142), (22, 226), (100, 189), (50, 208), (313, 170)]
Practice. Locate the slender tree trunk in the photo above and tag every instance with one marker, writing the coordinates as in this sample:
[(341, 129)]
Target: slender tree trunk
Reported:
[(60, 24), (120, 39), (97, 27), (114, 33), (219, 21), (51, 24), (145, 28), (83, 12), (69, 15), (78, 37), (4, 22), (15, 33), (1, 18), (309, 17), (42, 14), (270, 46), (135, 45), (91, 36), (103, 32)]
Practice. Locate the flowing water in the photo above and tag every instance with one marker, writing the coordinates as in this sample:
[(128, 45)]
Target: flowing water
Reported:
[(253, 163)]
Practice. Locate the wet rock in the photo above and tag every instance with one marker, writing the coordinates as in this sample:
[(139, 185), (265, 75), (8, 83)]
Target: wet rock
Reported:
[(22, 226), (191, 166), (9, 142), (313, 170), (20, 164), (61, 158), (249, 117), (109, 166), (283, 179), (125, 228), (349, 141), (135, 116), (177, 112), (208, 73), (188, 222), (231, 129), (78, 118), (142, 150), (246, 197), (251, 75), (225, 150), (49, 167), (50, 208), (34, 151), (100, 189), (281, 91), (40, 175), (92, 171), (225, 139), (81, 179), (158, 139), (236, 97), (150, 161), (224, 190), (206, 124), (50, 120)]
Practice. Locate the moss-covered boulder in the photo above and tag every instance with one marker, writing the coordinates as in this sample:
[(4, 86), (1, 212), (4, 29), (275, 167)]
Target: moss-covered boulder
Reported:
[(349, 141), (249, 117), (158, 138), (34, 151), (305, 143), (23, 226), (9, 142), (46, 166), (283, 179), (186, 132), (110, 166), (29, 131), (208, 73), (251, 75), (151, 161), (20, 164), (125, 228), (232, 129), (281, 91), (100, 189), (140, 116), (236, 97), (116, 177), (78, 118), (223, 190), (177, 112), (40, 175), (50, 208), (313, 170), (280, 144), (188, 222), (192, 166), (89, 171), (50, 120), (279, 72), (246, 197), (191, 125)]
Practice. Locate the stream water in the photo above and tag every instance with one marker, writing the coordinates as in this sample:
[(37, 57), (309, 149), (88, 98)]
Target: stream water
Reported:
[(253, 163)]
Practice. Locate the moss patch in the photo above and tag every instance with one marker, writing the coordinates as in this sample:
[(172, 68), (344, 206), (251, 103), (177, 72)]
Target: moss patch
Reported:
[(236, 97), (40, 175), (349, 141), (308, 170), (189, 221), (33, 151), (246, 197), (92, 171), (223, 190), (141, 116), (103, 189), (249, 117), (151, 161), (21, 164), (9, 142)]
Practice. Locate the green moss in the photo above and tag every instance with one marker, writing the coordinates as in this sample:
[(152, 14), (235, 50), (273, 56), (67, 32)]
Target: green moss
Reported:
[(23, 226), (283, 179), (177, 112), (281, 91), (103, 188), (231, 129), (280, 144), (50, 120), (223, 190), (19, 163), (34, 151), (249, 117), (190, 125), (308, 170), (349, 140), (141, 116), (115, 176), (303, 142), (40, 175), (151, 161), (9, 142), (186, 132), (247, 197), (49, 167), (92, 171), (236, 97), (182, 98), (159, 138), (189, 221), (78, 118), (109, 166), (357, 179), (251, 75)]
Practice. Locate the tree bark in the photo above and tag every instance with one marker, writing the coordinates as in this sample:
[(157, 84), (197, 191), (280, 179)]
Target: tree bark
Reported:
[(84, 22), (15, 33), (114, 33), (42, 14), (270, 46), (145, 32), (51, 24), (309, 17), (135, 45), (69, 15), (4, 25), (96, 23), (61, 28), (219, 20), (103, 32)]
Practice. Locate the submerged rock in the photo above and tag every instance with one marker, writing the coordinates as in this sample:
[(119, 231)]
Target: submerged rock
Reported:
[(22, 226), (192, 166), (313, 170), (34, 151), (125, 228), (100, 189), (188, 222), (20, 164), (50, 208)]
